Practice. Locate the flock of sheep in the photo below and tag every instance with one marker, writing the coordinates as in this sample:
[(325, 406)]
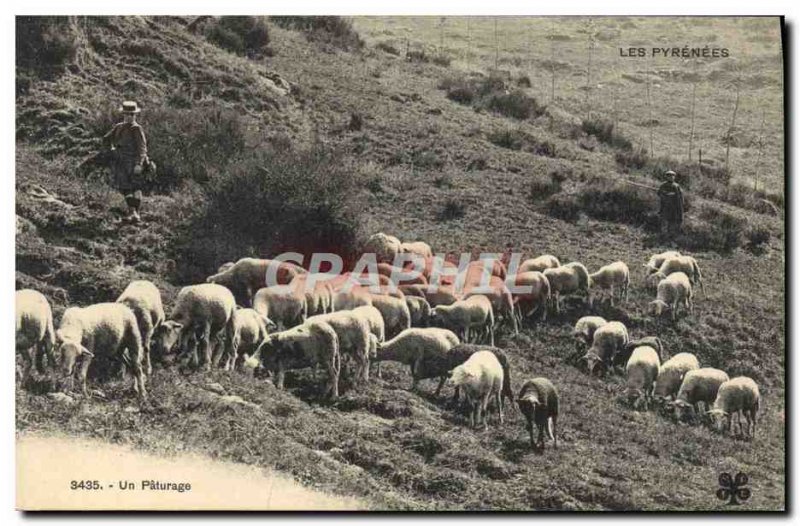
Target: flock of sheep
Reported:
[(442, 328)]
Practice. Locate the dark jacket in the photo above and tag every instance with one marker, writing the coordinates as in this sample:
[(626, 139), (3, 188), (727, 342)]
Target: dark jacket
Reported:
[(129, 141), (671, 197)]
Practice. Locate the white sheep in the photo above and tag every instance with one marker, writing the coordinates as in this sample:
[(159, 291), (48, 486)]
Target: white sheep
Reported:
[(738, 396), (395, 312), (584, 330), (251, 329), (674, 290), (474, 312), (384, 246), (535, 299), (420, 311), (285, 307), (314, 342), (610, 276), (248, 275), (608, 340), (35, 336), (144, 299), (538, 401), (108, 328), (418, 248), (501, 298), (203, 311), (424, 350), (686, 264), (539, 264), (656, 260), (351, 299), (375, 320), (698, 386), (642, 371), (671, 374), (480, 378), (572, 278), (319, 297), (353, 331)]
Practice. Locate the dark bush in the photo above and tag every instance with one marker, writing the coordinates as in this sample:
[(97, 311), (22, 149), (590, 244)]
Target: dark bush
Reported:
[(715, 230), (604, 131), (635, 159), (621, 203), (331, 30), (388, 48), (491, 93), (563, 207), (524, 81), (356, 121), (518, 139), (440, 59), (757, 237), (541, 187), (514, 104), (244, 35), (453, 209), (45, 42)]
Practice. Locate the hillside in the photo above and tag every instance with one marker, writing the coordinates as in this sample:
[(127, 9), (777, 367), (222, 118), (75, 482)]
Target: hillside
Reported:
[(428, 168)]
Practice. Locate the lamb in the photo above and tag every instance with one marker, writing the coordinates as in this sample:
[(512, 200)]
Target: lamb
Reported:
[(144, 299), (699, 385), (538, 401), (204, 310), (425, 350), (534, 300), (35, 335), (385, 247), (419, 309), (419, 248), (109, 328), (462, 352), (286, 309), (671, 374), (571, 278), (608, 340), (642, 371), (737, 396), (251, 329), (481, 378), (613, 275), (672, 291), (248, 275), (539, 264), (656, 260), (314, 342), (353, 332), (685, 264), (395, 312), (500, 297), (474, 312)]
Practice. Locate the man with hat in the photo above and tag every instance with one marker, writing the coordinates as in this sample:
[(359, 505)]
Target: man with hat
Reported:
[(129, 155), (671, 197)]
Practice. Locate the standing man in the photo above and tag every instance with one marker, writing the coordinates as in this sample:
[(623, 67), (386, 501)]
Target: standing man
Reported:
[(671, 197), (128, 147)]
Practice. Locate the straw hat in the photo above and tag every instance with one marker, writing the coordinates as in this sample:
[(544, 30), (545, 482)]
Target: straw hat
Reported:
[(129, 106)]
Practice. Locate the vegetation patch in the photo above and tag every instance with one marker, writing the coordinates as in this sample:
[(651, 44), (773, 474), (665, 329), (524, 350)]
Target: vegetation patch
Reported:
[(604, 131), (243, 35), (492, 93), (333, 31), (518, 139)]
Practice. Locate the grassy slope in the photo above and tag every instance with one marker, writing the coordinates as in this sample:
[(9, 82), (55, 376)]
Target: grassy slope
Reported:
[(401, 449)]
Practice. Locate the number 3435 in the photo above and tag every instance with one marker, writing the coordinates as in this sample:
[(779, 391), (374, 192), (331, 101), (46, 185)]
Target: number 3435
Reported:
[(85, 484)]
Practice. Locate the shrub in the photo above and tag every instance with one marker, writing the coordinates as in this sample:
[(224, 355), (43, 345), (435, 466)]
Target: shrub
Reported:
[(388, 48), (757, 237), (45, 42), (716, 230), (621, 203), (636, 159), (541, 187), (563, 207), (518, 139), (453, 209), (604, 131), (243, 35), (491, 93), (440, 59), (331, 30), (514, 104)]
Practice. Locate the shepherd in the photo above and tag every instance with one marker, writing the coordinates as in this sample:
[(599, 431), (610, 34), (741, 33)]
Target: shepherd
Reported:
[(671, 198), (128, 147)]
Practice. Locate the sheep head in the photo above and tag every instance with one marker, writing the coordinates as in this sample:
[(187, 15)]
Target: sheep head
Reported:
[(68, 354), (657, 308)]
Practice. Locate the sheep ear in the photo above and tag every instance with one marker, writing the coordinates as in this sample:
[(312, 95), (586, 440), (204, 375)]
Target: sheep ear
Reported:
[(86, 351)]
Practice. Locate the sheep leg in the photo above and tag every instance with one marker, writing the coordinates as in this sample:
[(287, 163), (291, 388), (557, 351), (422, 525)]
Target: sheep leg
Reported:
[(29, 355), (84, 372), (279, 376), (205, 341), (553, 432), (456, 393), (439, 387), (499, 401), (529, 427), (485, 410), (611, 295)]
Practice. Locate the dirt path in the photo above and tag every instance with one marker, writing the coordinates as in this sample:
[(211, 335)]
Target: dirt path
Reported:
[(46, 467)]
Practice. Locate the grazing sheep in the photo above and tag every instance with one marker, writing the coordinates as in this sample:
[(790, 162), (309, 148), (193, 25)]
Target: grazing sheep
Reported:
[(538, 401), (351, 299), (572, 278), (441, 264), (144, 299), (286, 309), (203, 311), (375, 320), (35, 336), (435, 295), (314, 342), (395, 312), (385, 247), (534, 300), (419, 248), (353, 330), (397, 277), (671, 374), (699, 385), (481, 378), (319, 298), (420, 311), (500, 297), (673, 290), (642, 371), (251, 329), (482, 270), (475, 312), (425, 350), (738, 396), (613, 275), (461, 353), (608, 340), (650, 341), (685, 264), (108, 328), (584, 330), (539, 264), (248, 275), (656, 260)]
